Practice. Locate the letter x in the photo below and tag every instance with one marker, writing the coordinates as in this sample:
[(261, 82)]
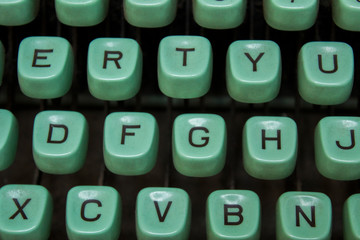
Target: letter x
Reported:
[(20, 208)]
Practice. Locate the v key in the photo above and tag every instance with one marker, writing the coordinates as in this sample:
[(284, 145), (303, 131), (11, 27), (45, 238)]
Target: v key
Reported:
[(162, 216)]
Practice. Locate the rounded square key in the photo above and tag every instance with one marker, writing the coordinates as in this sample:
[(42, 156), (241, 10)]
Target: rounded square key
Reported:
[(253, 71), (351, 218), (81, 13), (290, 15), (325, 69), (60, 140), (2, 61), (45, 67), (18, 12), (154, 14), (219, 14), (163, 213), (336, 152), (233, 214), (25, 212), (114, 68), (346, 13), (92, 213), (270, 147), (199, 144), (184, 66), (8, 138), (131, 142), (303, 215)]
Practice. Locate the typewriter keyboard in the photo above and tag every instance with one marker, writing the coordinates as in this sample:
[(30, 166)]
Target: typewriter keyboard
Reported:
[(179, 119)]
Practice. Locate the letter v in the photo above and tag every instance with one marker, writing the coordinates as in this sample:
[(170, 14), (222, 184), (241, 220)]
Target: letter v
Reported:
[(162, 217)]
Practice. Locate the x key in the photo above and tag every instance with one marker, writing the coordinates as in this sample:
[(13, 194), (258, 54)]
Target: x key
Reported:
[(25, 212)]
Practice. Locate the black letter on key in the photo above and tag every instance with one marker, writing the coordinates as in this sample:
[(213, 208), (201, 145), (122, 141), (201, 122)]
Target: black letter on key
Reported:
[(237, 213), (299, 211), (116, 59), (66, 131), (352, 136), (83, 210), (20, 208), (328, 71), (277, 138), (162, 217), (185, 50), (36, 52), (124, 133), (206, 139), (254, 62)]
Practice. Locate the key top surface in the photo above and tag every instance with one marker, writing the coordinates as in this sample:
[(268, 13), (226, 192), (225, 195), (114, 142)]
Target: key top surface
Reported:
[(114, 68), (325, 69), (45, 67), (60, 141), (93, 212), (8, 139), (150, 14), (18, 12), (219, 14), (253, 71), (270, 147), (337, 153), (199, 144), (303, 215), (233, 214), (184, 66), (291, 15), (131, 141), (351, 218), (163, 213), (81, 13), (25, 212), (346, 14)]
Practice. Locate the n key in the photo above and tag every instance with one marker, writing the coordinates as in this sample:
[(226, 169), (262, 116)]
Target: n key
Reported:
[(25, 212), (303, 215)]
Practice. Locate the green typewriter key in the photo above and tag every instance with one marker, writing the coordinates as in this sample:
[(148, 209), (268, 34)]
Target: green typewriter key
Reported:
[(93, 213), (184, 66), (114, 68), (233, 214), (163, 213), (291, 15), (346, 14), (2, 61), (8, 139), (81, 13), (45, 67), (303, 215), (60, 140), (150, 14), (130, 142), (25, 212), (325, 69), (253, 71), (18, 12), (351, 218), (337, 153), (216, 14), (199, 144), (270, 147)]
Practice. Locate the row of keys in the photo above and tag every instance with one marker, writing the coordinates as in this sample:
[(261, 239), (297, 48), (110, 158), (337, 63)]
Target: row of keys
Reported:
[(94, 212), (288, 15), (199, 141), (185, 64)]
